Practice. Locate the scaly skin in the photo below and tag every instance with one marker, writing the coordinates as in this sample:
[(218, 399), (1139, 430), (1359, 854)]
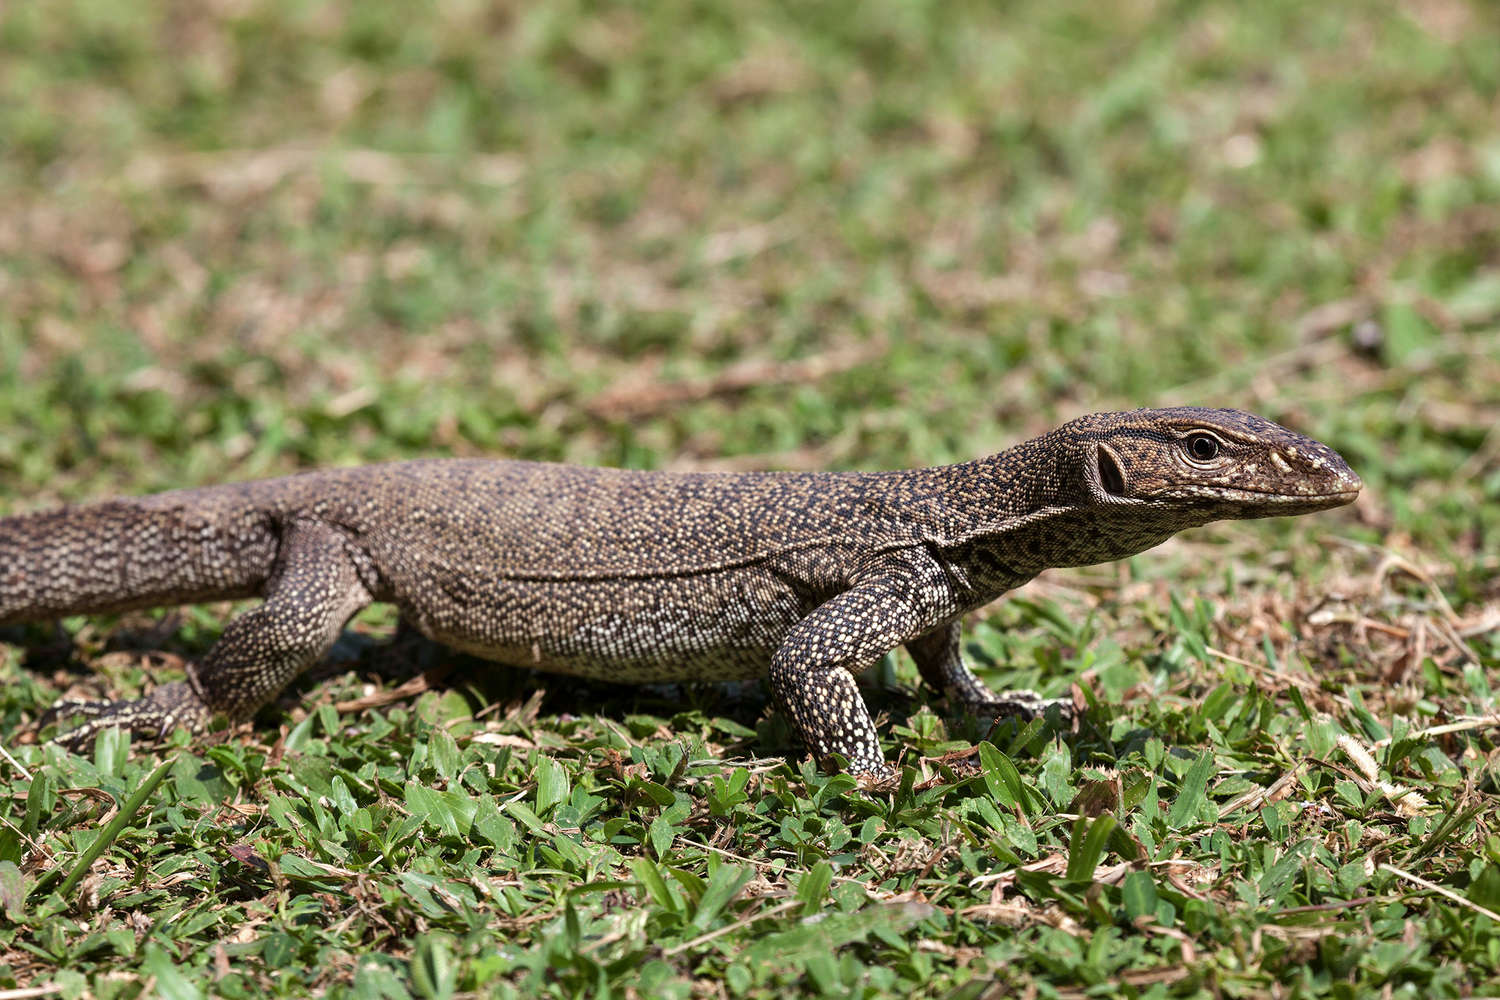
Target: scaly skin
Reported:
[(629, 576)]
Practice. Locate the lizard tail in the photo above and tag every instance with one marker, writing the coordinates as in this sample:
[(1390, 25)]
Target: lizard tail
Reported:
[(172, 548)]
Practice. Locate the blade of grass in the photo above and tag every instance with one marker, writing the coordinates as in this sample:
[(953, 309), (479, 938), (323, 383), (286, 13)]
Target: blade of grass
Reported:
[(1192, 793), (1445, 829), (1087, 847), (107, 836)]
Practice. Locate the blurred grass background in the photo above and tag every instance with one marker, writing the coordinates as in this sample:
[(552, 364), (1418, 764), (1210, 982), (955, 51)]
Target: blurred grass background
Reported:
[(242, 238)]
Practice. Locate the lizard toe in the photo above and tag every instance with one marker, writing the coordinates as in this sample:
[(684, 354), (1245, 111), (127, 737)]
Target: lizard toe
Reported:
[(65, 708), (1024, 705), (155, 716)]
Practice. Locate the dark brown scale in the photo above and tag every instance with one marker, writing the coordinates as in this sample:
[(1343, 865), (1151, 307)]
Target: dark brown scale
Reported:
[(632, 576)]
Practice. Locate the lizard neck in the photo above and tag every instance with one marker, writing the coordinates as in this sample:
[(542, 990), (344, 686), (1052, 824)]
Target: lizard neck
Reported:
[(993, 496), (1007, 517)]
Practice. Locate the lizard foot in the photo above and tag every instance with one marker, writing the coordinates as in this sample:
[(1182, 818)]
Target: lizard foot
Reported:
[(879, 782), (960, 765), (154, 716), (1024, 705)]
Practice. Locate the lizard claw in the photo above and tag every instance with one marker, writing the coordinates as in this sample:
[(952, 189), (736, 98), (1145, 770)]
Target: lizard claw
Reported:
[(154, 716)]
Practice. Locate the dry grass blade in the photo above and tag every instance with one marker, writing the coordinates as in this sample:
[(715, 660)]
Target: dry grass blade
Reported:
[(1461, 726), (426, 681), (1255, 798), (1441, 890)]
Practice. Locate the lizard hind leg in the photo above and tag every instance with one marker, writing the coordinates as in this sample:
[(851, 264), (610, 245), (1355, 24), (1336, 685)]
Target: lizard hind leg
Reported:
[(939, 658), (314, 589)]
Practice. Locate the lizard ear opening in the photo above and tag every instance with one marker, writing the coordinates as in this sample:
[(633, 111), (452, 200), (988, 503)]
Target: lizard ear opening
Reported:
[(1111, 476)]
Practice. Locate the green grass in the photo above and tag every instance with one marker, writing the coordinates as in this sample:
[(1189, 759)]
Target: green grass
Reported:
[(239, 239)]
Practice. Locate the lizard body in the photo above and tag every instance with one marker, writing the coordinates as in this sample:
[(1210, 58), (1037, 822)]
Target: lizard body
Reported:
[(632, 576)]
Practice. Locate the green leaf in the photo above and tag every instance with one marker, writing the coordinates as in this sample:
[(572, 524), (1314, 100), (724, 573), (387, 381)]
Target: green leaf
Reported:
[(492, 826), (1192, 793), (647, 874), (660, 794), (297, 867), (1274, 881), (1478, 300), (278, 949), (834, 930), (41, 799), (528, 819), (1406, 332), (330, 720), (723, 885), (374, 981), (1138, 892), (111, 751), (1056, 767), (449, 814), (171, 984), (552, 786), (316, 773), (694, 885), (12, 891), (1001, 777), (1087, 846), (1485, 890), (434, 973), (812, 889), (662, 834), (443, 754)]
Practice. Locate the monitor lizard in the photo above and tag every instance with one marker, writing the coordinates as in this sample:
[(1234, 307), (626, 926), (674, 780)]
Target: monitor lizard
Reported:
[(648, 576)]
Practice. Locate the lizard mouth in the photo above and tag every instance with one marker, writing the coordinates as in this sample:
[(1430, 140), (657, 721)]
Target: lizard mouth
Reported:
[(1318, 501), (1274, 502)]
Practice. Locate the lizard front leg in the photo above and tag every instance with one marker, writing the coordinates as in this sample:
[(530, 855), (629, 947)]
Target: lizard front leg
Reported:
[(313, 590), (939, 658), (812, 672)]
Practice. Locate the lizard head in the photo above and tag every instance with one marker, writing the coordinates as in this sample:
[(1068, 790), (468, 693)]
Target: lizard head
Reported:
[(1209, 464)]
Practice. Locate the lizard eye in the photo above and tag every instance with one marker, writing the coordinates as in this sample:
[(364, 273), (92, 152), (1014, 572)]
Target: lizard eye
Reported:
[(1203, 447)]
